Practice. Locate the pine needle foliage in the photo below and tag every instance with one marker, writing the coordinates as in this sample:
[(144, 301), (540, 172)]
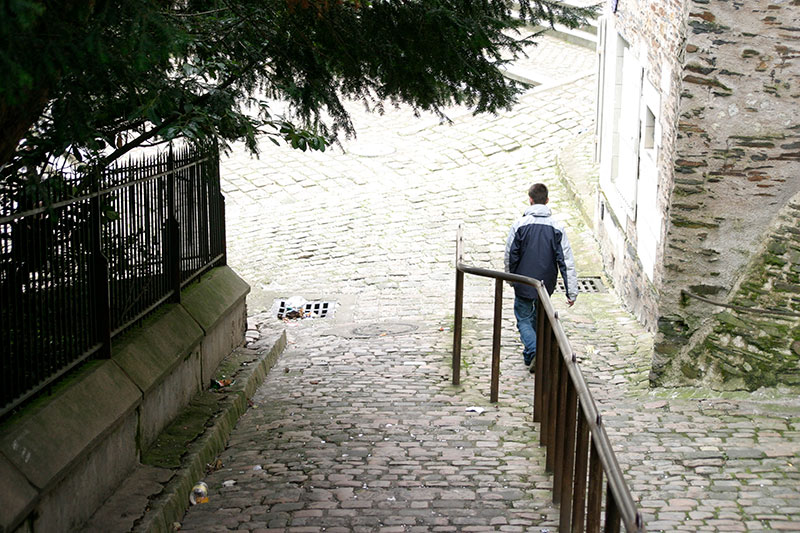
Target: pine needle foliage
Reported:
[(89, 80)]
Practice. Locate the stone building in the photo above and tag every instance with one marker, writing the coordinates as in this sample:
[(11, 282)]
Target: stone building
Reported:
[(698, 213)]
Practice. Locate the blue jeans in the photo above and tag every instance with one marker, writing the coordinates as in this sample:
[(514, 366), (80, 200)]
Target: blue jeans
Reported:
[(525, 311)]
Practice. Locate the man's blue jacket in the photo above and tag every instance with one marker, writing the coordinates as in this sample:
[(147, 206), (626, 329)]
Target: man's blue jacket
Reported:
[(537, 247)]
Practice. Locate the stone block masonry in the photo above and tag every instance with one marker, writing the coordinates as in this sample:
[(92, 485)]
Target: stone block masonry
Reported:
[(757, 342), (736, 164)]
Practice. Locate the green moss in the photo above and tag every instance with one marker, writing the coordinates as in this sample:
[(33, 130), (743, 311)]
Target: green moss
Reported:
[(168, 450), (776, 247), (727, 318), (690, 372), (681, 222), (772, 259)]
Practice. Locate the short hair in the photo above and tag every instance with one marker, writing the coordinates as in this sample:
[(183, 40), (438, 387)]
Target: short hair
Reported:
[(538, 193)]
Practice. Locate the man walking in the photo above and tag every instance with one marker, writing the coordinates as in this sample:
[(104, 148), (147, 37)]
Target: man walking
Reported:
[(537, 247)]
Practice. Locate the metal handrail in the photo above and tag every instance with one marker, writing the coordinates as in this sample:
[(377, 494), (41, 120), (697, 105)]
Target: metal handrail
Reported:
[(571, 425)]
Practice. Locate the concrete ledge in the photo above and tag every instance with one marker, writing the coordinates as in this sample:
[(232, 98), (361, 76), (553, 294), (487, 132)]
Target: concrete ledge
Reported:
[(152, 351), (169, 496), (222, 339), (98, 473), (210, 300), (19, 496), (217, 303), (162, 359), (55, 441), (64, 454), (172, 504), (43, 446)]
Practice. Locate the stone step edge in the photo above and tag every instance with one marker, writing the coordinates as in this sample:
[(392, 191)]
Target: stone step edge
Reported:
[(170, 504)]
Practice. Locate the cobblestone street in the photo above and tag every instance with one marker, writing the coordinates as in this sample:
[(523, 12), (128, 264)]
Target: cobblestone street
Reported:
[(358, 427)]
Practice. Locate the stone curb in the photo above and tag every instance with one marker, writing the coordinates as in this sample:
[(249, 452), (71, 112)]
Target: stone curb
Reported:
[(576, 185), (171, 504)]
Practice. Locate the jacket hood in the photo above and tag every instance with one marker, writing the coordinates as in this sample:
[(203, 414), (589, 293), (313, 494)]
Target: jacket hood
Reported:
[(538, 210)]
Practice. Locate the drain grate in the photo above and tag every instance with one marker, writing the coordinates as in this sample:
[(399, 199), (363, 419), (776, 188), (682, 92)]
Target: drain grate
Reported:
[(584, 285), (307, 310)]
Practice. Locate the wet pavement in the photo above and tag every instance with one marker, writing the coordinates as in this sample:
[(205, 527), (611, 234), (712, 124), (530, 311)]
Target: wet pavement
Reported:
[(358, 427)]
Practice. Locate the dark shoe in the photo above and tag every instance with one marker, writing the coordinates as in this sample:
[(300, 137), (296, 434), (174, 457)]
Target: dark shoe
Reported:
[(533, 366)]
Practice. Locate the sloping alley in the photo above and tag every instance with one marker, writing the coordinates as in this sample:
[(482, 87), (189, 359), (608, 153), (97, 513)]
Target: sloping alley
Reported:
[(357, 428)]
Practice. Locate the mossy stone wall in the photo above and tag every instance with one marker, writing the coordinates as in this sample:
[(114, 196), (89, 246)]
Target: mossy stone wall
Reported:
[(757, 343), (736, 167)]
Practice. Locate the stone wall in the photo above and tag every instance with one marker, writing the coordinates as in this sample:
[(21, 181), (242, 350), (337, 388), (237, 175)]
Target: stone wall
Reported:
[(757, 342), (736, 167)]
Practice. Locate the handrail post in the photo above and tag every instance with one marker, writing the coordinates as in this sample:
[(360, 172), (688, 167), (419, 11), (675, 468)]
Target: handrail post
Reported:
[(568, 470), (595, 489), (459, 313), (581, 469), (612, 512), (538, 381), (552, 406), (542, 364), (498, 325), (561, 426)]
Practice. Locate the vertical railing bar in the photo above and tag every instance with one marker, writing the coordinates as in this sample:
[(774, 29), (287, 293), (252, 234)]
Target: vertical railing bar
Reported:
[(6, 333), (200, 188), (83, 306), (152, 260), (498, 326), (69, 305), (538, 380), (101, 279), (22, 309), (542, 366), (595, 489), (136, 260), (204, 209), (567, 486), (173, 248), (552, 407), (7, 390), (57, 285), (561, 422), (40, 369), (612, 512), (188, 224), (144, 266), (223, 230), (581, 470), (162, 229)]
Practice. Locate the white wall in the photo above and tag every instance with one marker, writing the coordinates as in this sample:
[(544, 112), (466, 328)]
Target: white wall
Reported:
[(629, 132)]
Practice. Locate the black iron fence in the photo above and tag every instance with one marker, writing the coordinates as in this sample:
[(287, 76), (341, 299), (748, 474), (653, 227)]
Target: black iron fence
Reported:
[(85, 255), (579, 453)]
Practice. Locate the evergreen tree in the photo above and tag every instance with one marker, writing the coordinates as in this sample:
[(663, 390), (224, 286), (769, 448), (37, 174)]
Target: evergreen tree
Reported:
[(89, 80)]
